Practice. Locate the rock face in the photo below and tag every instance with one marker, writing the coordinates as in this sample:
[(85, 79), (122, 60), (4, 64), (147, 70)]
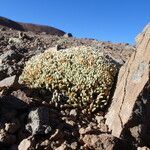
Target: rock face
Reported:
[(133, 82)]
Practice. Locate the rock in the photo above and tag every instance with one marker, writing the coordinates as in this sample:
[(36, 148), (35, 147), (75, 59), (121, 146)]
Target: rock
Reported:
[(22, 35), (2, 29), (118, 61), (62, 147), (83, 131), (73, 114), (27, 144), (103, 141), (12, 102), (103, 127), (39, 121), (7, 114), (15, 40), (6, 138), (67, 35), (13, 147), (12, 127), (57, 135), (10, 55), (143, 148), (74, 145), (3, 72), (45, 143), (22, 96), (133, 77), (9, 82), (70, 122), (135, 132), (99, 119), (144, 119), (8, 63)]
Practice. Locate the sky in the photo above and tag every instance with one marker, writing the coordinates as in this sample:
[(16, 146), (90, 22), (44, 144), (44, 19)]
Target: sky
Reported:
[(104, 20)]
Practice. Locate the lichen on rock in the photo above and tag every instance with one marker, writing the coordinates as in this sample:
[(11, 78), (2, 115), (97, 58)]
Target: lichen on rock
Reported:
[(80, 76)]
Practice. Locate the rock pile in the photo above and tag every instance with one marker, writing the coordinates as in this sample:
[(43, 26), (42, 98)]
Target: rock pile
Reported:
[(27, 122)]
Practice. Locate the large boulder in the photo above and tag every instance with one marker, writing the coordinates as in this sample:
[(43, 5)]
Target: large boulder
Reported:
[(130, 104)]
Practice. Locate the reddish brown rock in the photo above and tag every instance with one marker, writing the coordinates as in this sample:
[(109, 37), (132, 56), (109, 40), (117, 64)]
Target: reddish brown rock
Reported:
[(133, 77), (103, 141)]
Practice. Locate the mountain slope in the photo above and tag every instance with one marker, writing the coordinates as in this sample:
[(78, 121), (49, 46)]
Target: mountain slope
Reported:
[(5, 22)]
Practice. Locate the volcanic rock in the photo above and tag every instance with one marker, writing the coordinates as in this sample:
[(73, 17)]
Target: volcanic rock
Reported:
[(27, 144), (133, 82), (9, 82), (102, 141), (39, 121)]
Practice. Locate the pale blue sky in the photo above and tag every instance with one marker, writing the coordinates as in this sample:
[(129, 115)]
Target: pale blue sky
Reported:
[(108, 20)]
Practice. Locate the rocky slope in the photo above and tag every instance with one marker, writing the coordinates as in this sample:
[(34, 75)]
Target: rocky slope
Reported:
[(27, 122), (7, 23)]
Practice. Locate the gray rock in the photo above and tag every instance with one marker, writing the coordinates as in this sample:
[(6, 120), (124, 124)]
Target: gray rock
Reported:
[(8, 63), (39, 121), (9, 56), (9, 82)]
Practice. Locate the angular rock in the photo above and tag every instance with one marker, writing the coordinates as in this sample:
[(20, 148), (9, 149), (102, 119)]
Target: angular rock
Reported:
[(133, 76), (12, 102), (143, 148), (12, 127), (39, 121), (6, 138), (74, 145), (104, 142), (45, 143), (27, 144), (9, 56), (67, 35), (57, 135), (9, 82), (62, 147), (8, 63), (22, 96)]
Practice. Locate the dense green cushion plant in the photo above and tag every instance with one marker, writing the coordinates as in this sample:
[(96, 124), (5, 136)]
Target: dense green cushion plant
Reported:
[(79, 76)]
